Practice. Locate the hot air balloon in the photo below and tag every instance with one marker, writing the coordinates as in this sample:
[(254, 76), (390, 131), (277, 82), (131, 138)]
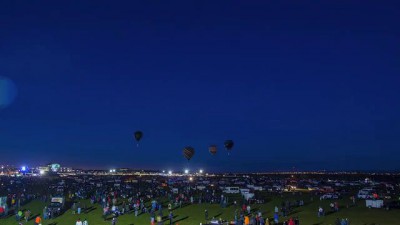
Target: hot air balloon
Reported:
[(212, 149), (228, 145), (188, 152), (138, 135)]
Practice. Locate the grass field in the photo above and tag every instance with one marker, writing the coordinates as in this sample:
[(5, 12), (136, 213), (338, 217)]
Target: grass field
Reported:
[(194, 214)]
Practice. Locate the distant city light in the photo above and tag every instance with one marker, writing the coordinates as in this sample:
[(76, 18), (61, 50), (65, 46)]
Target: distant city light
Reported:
[(41, 172), (190, 178), (55, 167), (23, 168), (163, 171), (186, 171), (201, 171), (170, 172), (112, 171)]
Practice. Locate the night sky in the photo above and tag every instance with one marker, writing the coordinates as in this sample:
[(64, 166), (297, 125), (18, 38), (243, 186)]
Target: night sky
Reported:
[(300, 84)]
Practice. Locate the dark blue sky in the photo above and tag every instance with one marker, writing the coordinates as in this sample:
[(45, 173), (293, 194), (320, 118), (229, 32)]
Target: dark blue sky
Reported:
[(310, 85)]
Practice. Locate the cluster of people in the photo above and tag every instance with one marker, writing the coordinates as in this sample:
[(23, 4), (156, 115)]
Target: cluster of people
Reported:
[(288, 206), (110, 200), (79, 222), (26, 215), (334, 206), (252, 220), (49, 213), (13, 202), (116, 201), (37, 221), (341, 221), (258, 219), (291, 221)]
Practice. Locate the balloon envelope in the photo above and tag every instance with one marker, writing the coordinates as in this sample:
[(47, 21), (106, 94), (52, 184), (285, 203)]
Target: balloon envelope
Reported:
[(138, 135), (212, 149), (188, 152), (228, 144)]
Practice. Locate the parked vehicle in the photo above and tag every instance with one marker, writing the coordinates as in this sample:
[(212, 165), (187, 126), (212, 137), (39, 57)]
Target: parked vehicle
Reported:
[(330, 196), (57, 205), (365, 193)]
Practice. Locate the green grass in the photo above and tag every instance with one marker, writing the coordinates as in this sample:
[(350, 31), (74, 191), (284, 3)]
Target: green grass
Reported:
[(194, 214)]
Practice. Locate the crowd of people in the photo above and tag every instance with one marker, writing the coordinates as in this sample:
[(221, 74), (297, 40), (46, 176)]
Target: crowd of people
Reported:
[(158, 200)]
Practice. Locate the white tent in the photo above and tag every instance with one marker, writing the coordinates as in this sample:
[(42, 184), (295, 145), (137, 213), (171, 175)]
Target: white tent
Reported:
[(370, 203)]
